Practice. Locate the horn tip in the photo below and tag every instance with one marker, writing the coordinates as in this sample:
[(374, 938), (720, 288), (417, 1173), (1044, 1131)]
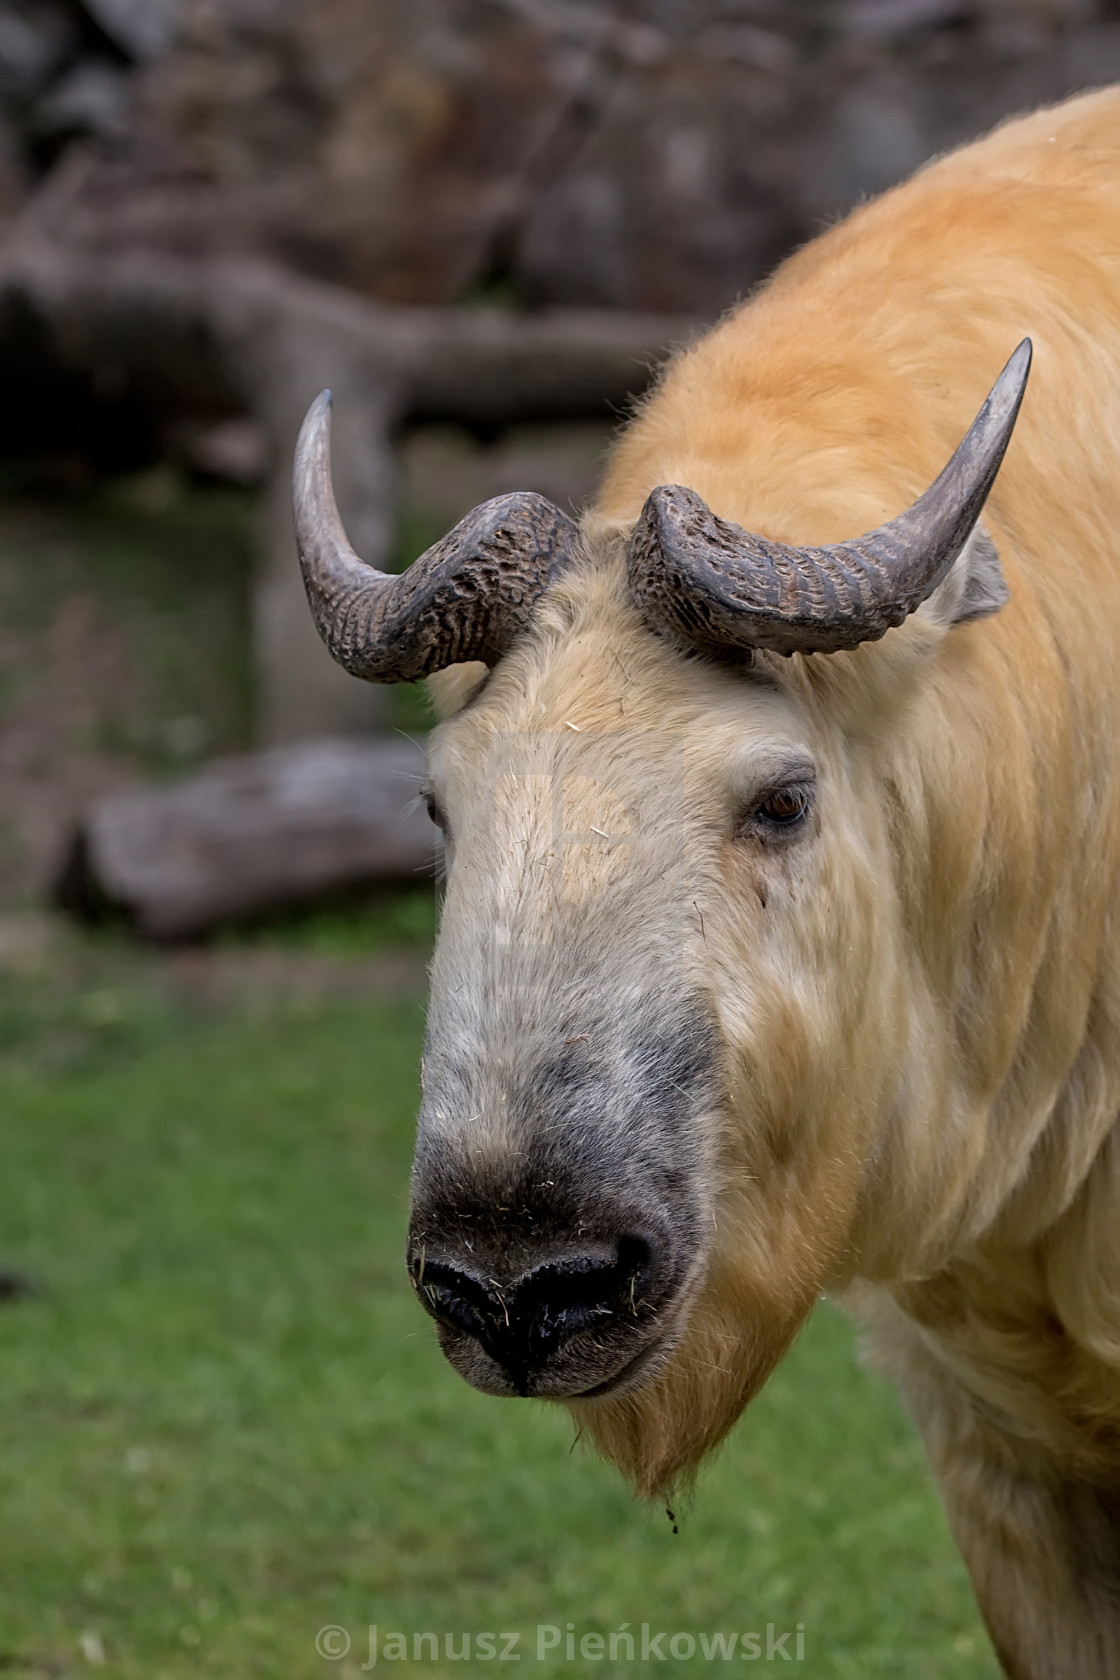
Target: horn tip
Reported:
[(1007, 392), (321, 407), (1020, 359), (315, 430)]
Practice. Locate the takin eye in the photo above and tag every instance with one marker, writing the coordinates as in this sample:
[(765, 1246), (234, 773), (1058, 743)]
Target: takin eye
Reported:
[(779, 812), (434, 811)]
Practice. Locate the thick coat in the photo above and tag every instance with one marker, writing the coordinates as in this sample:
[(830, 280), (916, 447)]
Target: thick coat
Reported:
[(768, 975)]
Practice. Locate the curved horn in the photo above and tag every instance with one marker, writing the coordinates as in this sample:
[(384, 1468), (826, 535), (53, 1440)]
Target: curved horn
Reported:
[(464, 599), (717, 587)]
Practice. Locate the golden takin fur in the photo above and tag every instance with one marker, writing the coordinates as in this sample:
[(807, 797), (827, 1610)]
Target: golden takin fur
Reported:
[(940, 1136), (919, 1014), (780, 948)]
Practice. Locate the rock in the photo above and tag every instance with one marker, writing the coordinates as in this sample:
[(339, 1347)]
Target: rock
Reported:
[(93, 98), (35, 37), (16, 1286), (657, 154), (885, 17), (13, 173), (142, 28)]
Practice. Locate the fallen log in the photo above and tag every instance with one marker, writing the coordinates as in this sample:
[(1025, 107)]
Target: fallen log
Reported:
[(251, 834), (174, 340)]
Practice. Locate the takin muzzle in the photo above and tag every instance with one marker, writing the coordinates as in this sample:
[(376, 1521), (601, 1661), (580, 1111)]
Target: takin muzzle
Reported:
[(555, 1247)]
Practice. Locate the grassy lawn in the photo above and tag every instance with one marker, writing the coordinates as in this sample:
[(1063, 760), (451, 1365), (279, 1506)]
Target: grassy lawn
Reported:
[(225, 1423)]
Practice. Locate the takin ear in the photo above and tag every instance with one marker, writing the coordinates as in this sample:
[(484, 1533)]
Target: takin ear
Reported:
[(875, 682), (974, 588), (450, 689)]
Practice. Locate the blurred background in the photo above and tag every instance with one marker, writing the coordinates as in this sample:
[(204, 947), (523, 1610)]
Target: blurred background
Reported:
[(483, 223)]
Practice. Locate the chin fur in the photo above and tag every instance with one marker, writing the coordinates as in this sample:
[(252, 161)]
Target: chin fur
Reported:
[(659, 1433)]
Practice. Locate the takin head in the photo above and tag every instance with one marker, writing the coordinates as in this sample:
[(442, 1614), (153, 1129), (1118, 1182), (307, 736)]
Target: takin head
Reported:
[(653, 1074)]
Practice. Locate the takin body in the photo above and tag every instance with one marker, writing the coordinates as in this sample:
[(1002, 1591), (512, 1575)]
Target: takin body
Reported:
[(770, 969)]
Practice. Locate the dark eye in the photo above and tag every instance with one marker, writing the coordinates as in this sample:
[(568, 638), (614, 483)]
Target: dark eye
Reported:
[(783, 807), (434, 811)]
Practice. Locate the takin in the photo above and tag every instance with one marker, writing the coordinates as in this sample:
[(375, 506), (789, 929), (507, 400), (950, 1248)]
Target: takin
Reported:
[(780, 949)]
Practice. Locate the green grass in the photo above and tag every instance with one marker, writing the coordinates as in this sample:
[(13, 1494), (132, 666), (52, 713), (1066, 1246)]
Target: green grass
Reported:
[(400, 918), (225, 1423)]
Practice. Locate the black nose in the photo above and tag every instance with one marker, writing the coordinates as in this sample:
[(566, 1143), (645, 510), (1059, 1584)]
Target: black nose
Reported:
[(524, 1322)]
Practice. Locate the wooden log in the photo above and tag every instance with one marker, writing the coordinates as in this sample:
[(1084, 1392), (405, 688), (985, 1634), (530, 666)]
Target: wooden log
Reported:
[(209, 339), (203, 335), (252, 834)]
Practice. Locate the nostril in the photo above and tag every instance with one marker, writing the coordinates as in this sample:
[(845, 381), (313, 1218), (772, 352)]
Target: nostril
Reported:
[(564, 1298), (524, 1321), (453, 1297)]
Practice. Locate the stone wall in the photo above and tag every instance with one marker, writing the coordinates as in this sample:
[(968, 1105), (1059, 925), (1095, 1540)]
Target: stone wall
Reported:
[(640, 154)]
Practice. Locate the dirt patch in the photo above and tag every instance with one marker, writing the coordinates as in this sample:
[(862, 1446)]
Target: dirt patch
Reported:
[(41, 948)]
